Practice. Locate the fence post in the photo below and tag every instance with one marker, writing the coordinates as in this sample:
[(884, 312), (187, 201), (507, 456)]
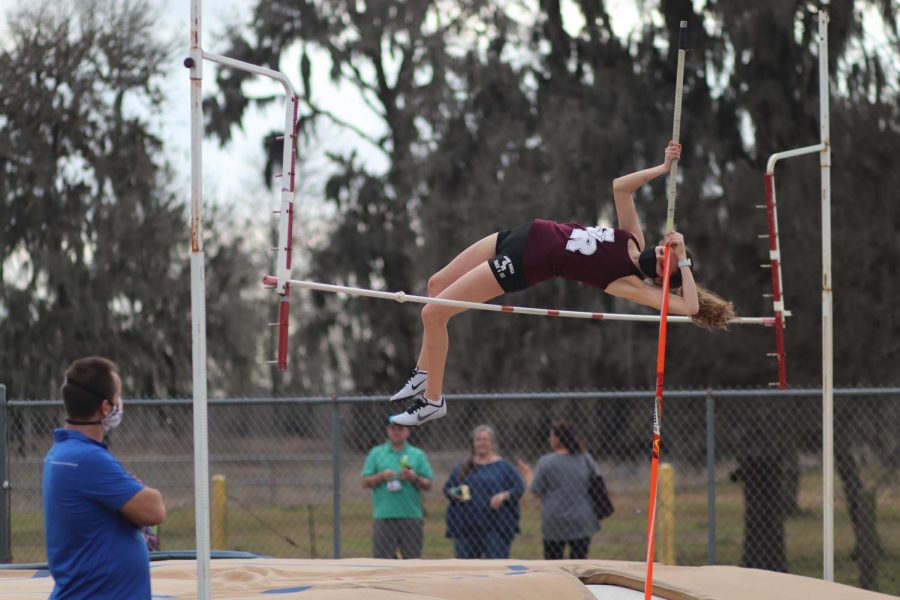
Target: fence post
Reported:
[(336, 476), (5, 521), (667, 514), (710, 478), (219, 513)]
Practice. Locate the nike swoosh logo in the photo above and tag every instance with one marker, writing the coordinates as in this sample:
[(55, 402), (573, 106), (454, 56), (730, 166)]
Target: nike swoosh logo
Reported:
[(418, 385), (421, 417)]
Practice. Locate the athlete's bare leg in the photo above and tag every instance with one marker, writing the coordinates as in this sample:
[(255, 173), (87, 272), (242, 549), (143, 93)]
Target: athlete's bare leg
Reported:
[(477, 285), (465, 261)]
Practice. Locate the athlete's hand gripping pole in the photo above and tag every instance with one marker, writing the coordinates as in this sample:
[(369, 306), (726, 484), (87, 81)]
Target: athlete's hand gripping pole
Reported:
[(664, 312)]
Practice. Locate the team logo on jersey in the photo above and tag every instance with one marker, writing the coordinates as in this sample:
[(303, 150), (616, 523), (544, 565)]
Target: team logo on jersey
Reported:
[(503, 266), (584, 241)]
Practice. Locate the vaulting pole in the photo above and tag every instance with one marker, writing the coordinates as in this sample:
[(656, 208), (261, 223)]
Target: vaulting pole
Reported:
[(663, 321)]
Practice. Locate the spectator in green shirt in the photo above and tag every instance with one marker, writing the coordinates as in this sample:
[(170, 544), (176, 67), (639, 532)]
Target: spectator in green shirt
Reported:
[(397, 473)]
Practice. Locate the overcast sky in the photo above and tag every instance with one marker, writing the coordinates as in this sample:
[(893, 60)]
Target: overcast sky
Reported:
[(232, 173)]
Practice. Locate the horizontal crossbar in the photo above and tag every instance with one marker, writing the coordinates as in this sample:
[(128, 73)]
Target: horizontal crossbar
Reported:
[(541, 312)]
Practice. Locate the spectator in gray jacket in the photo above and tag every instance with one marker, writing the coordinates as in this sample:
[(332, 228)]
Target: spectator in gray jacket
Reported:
[(560, 480)]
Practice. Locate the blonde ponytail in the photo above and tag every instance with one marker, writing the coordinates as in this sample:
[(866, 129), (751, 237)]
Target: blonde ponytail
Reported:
[(715, 311)]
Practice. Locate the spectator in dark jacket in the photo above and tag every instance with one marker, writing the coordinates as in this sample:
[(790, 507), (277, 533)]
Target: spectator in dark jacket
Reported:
[(484, 492)]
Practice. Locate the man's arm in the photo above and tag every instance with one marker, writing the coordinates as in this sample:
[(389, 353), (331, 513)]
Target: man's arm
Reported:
[(420, 481), (424, 475), (371, 481), (145, 508), (109, 483)]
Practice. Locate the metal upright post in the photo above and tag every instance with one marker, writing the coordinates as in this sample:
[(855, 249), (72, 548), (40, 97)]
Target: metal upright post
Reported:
[(198, 311), (710, 478), (827, 310), (5, 521), (336, 477), (824, 150)]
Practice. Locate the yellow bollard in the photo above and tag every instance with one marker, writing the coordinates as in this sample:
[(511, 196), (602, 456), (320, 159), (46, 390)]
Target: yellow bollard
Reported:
[(666, 512), (219, 513)]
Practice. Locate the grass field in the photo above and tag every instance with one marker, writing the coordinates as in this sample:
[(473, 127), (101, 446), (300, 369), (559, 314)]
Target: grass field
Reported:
[(623, 537)]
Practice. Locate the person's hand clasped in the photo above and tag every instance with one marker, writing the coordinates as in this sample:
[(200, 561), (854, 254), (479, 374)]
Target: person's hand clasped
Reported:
[(676, 241), (498, 499), (673, 153)]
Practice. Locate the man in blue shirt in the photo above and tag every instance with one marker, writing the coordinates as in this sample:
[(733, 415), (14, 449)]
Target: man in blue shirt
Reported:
[(93, 507)]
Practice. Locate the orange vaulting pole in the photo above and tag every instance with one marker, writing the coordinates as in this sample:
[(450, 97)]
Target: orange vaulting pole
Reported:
[(664, 313)]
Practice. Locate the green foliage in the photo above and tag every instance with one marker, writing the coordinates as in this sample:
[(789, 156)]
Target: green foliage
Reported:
[(94, 239)]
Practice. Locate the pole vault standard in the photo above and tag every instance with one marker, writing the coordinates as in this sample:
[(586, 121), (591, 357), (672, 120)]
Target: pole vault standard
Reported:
[(194, 62), (823, 148), (663, 321), (504, 308)]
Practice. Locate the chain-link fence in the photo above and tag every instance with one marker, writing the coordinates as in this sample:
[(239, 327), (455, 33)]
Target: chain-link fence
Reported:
[(747, 468)]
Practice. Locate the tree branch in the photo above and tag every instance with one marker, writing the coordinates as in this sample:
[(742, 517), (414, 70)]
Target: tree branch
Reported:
[(317, 111)]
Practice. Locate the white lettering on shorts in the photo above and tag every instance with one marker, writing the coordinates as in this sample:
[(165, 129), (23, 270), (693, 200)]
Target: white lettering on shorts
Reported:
[(503, 266), (584, 241)]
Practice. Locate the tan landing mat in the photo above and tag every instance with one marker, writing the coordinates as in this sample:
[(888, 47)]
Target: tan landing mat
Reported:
[(365, 579)]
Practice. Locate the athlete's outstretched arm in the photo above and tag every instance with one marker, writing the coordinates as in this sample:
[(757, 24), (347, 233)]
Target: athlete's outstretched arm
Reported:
[(634, 289), (625, 186)]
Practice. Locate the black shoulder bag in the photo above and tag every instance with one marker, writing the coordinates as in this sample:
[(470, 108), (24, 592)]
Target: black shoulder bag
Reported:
[(600, 500)]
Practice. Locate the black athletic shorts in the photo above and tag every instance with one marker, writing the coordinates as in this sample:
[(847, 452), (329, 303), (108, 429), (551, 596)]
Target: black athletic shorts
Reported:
[(508, 266)]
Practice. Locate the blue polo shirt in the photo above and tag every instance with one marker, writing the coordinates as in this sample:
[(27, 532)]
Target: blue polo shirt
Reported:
[(94, 552)]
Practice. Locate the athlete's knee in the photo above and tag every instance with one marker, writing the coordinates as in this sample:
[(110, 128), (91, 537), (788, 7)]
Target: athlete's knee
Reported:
[(434, 314), (437, 283)]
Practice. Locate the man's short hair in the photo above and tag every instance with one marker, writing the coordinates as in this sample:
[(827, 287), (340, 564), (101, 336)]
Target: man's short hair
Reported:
[(89, 381)]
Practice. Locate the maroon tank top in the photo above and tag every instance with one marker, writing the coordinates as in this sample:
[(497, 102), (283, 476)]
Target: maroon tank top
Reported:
[(596, 256)]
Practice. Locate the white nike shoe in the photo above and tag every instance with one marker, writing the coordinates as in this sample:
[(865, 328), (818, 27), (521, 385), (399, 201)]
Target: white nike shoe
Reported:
[(420, 412), (415, 386)]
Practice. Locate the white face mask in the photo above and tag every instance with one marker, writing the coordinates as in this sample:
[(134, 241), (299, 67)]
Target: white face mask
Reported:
[(113, 419)]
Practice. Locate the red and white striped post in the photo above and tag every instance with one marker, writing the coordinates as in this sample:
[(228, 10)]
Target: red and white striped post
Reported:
[(775, 267), (285, 231)]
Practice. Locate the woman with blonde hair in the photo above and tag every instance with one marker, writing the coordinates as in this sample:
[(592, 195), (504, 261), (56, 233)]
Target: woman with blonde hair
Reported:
[(616, 261)]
